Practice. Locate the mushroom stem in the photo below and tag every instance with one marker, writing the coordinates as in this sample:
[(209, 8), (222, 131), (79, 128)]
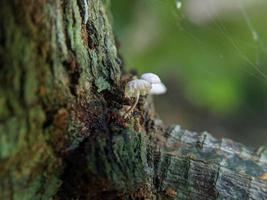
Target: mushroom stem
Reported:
[(133, 106)]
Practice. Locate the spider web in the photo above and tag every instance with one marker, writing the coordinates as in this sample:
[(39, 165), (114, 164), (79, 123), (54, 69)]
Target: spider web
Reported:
[(252, 64), (255, 36)]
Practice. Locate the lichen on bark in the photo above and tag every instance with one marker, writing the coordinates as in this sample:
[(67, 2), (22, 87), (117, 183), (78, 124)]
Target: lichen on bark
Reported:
[(51, 64)]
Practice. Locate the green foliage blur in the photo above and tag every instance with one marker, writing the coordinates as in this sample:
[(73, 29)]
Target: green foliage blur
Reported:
[(211, 56)]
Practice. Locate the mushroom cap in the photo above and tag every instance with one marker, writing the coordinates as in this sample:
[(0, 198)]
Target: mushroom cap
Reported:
[(151, 78), (137, 86), (158, 88)]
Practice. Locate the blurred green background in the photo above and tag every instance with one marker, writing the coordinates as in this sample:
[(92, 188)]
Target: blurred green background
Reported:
[(212, 56)]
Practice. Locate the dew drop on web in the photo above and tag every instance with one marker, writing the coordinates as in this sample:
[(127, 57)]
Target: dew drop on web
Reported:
[(178, 4)]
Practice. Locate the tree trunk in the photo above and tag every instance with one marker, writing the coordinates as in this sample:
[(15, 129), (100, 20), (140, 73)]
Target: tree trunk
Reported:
[(62, 130)]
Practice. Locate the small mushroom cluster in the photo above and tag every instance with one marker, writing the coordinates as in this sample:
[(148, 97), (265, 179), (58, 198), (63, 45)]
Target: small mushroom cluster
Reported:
[(149, 83)]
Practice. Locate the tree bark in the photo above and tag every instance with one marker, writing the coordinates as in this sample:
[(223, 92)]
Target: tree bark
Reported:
[(62, 130)]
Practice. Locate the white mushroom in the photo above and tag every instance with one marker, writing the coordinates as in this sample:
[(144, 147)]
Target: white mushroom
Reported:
[(151, 78), (148, 84), (158, 88), (135, 88)]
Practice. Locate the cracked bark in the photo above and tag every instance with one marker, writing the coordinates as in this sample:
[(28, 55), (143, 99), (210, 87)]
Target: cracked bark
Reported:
[(61, 132)]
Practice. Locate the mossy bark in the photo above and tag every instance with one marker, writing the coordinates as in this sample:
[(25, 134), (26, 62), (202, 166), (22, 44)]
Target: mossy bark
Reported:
[(62, 133)]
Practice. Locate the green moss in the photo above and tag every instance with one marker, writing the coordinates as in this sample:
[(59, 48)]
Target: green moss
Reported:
[(42, 185), (4, 112), (12, 132), (75, 138), (121, 162), (53, 184), (47, 56), (101, 84), (74, 28)]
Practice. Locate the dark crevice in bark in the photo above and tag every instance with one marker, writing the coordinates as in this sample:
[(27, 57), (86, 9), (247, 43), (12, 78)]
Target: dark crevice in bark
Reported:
[(82, 5), (74, 80), (49, 118), (81, 183), (21, 94), (92, 35), (74, 71), (75, 176)]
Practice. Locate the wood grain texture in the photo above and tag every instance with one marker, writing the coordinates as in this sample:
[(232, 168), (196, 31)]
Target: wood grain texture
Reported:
[(203, 167)]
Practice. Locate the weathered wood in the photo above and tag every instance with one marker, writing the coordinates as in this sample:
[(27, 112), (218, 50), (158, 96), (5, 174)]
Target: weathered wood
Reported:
[(62, 133), (202, 167)]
